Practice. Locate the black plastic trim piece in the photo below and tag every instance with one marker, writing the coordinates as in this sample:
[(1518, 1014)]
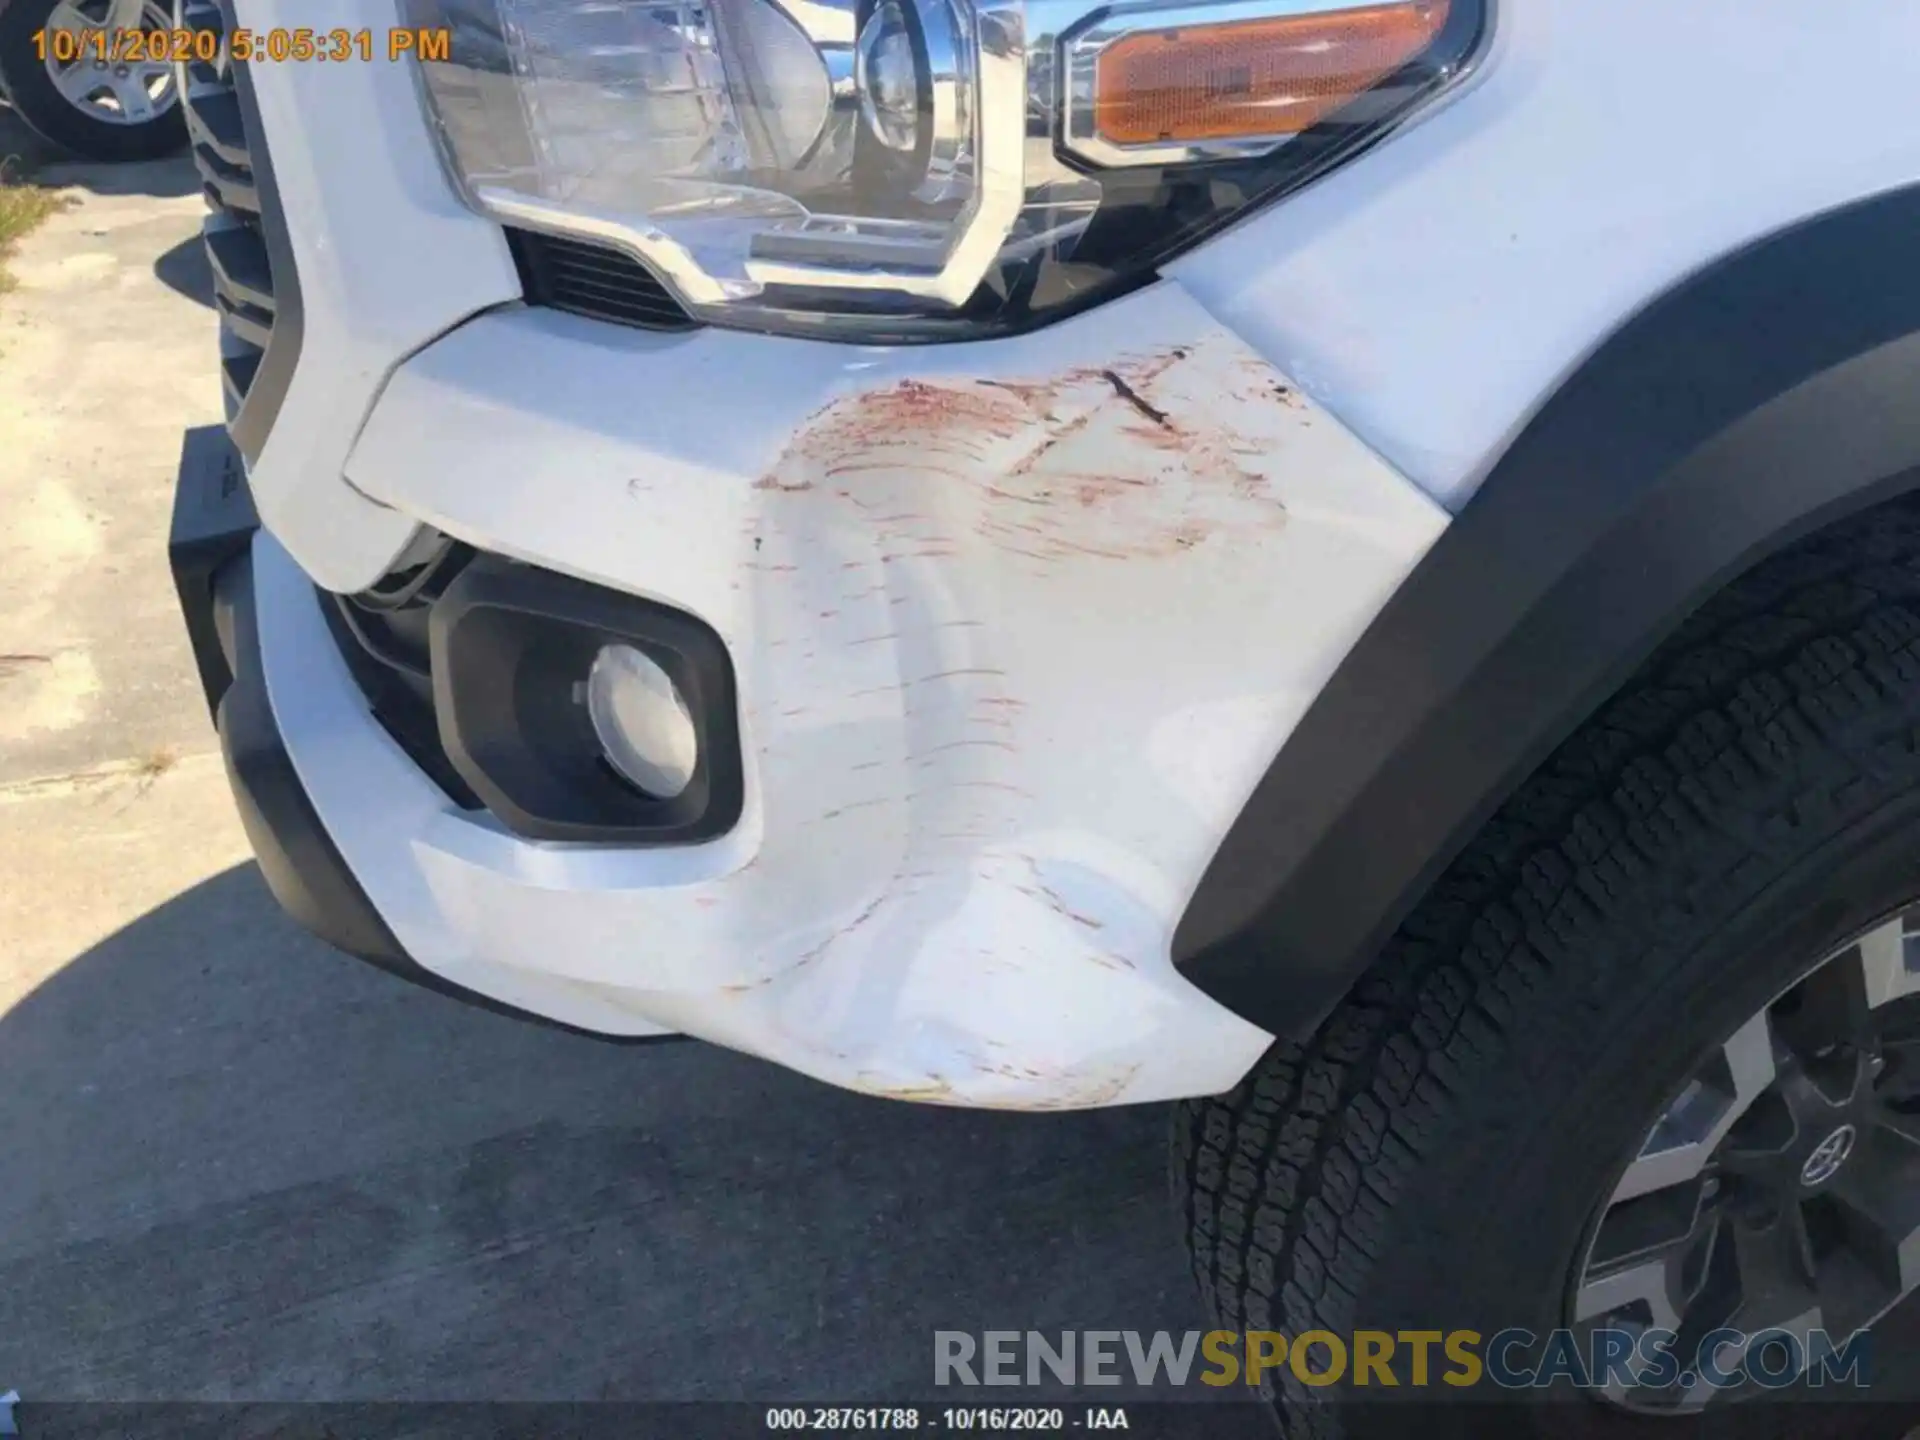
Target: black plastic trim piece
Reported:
[(511, 646), (297, 859), (213, 521), (220, 127), (596, 281), (1771, 394), (240, 270), (396, 683)]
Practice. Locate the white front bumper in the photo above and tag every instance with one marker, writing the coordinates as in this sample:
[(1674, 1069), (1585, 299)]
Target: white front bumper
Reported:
[(1017, 625)]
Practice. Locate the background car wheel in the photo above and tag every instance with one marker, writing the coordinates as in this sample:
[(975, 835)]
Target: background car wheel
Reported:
[(1683, 931), (101, 107)]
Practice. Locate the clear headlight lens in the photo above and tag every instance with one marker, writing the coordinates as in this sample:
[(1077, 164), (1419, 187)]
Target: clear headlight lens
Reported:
[(913, 169)]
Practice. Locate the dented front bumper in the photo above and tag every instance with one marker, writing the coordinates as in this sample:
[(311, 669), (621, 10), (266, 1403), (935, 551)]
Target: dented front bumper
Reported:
[(1016, 626)]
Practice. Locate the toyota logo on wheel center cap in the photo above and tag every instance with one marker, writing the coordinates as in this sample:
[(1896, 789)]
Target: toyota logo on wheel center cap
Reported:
[(1827, 1157)]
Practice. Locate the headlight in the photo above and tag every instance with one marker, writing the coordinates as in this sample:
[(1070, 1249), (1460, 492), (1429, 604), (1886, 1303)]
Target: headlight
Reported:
[(914, 169)]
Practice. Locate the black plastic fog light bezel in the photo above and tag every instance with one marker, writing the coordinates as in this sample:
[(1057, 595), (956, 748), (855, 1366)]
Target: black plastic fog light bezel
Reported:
[(511, 646)]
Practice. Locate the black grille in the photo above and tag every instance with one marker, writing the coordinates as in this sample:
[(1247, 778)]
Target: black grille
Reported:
[(591, 280), (251, 307), (382, 634)]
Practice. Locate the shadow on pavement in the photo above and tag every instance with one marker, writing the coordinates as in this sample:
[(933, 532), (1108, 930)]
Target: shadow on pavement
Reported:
[(19, 144), (184, 269), (165, 179), (238, 1165)]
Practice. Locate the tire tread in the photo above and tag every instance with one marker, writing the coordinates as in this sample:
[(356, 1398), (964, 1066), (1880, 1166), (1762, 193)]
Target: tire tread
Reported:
[(1788, 699)]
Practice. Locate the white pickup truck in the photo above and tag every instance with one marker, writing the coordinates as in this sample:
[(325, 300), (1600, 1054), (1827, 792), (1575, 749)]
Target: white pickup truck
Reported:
[(1354, 567)]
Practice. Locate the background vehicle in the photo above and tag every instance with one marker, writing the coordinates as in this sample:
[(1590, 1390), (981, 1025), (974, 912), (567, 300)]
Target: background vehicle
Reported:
[(89, 92), (1069, 575)]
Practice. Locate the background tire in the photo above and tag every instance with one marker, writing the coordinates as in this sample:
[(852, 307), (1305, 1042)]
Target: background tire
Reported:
[(51, 115), (1433, 1157)]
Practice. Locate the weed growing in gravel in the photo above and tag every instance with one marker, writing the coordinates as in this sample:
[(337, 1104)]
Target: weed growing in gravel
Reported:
[(23, 205)]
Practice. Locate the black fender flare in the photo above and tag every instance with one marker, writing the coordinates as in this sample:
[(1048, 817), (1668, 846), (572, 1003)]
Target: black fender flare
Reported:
[(1762, 398)]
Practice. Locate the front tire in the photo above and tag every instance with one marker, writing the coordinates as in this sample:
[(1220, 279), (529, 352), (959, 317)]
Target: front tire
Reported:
[(1440, 1154)]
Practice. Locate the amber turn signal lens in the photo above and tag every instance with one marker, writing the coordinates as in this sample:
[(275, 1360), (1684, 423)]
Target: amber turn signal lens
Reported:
[(1246, 78)]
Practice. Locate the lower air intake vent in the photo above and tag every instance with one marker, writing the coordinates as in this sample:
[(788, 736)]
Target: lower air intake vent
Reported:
[(594, 281), (382, 635)]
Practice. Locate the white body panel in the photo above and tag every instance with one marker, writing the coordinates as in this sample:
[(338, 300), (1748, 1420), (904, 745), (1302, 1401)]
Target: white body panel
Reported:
[(1011, 653), (388, 259), (1434, 293)]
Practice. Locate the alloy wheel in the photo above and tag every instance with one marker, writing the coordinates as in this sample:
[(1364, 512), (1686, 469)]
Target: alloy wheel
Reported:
[(1778, 1193), (96, 76)]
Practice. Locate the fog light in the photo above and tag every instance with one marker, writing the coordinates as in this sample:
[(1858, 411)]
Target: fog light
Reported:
[(641, 721)]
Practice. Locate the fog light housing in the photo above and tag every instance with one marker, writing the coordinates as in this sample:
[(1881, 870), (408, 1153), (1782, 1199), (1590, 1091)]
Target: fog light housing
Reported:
[(579, 713), (642, 722)]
